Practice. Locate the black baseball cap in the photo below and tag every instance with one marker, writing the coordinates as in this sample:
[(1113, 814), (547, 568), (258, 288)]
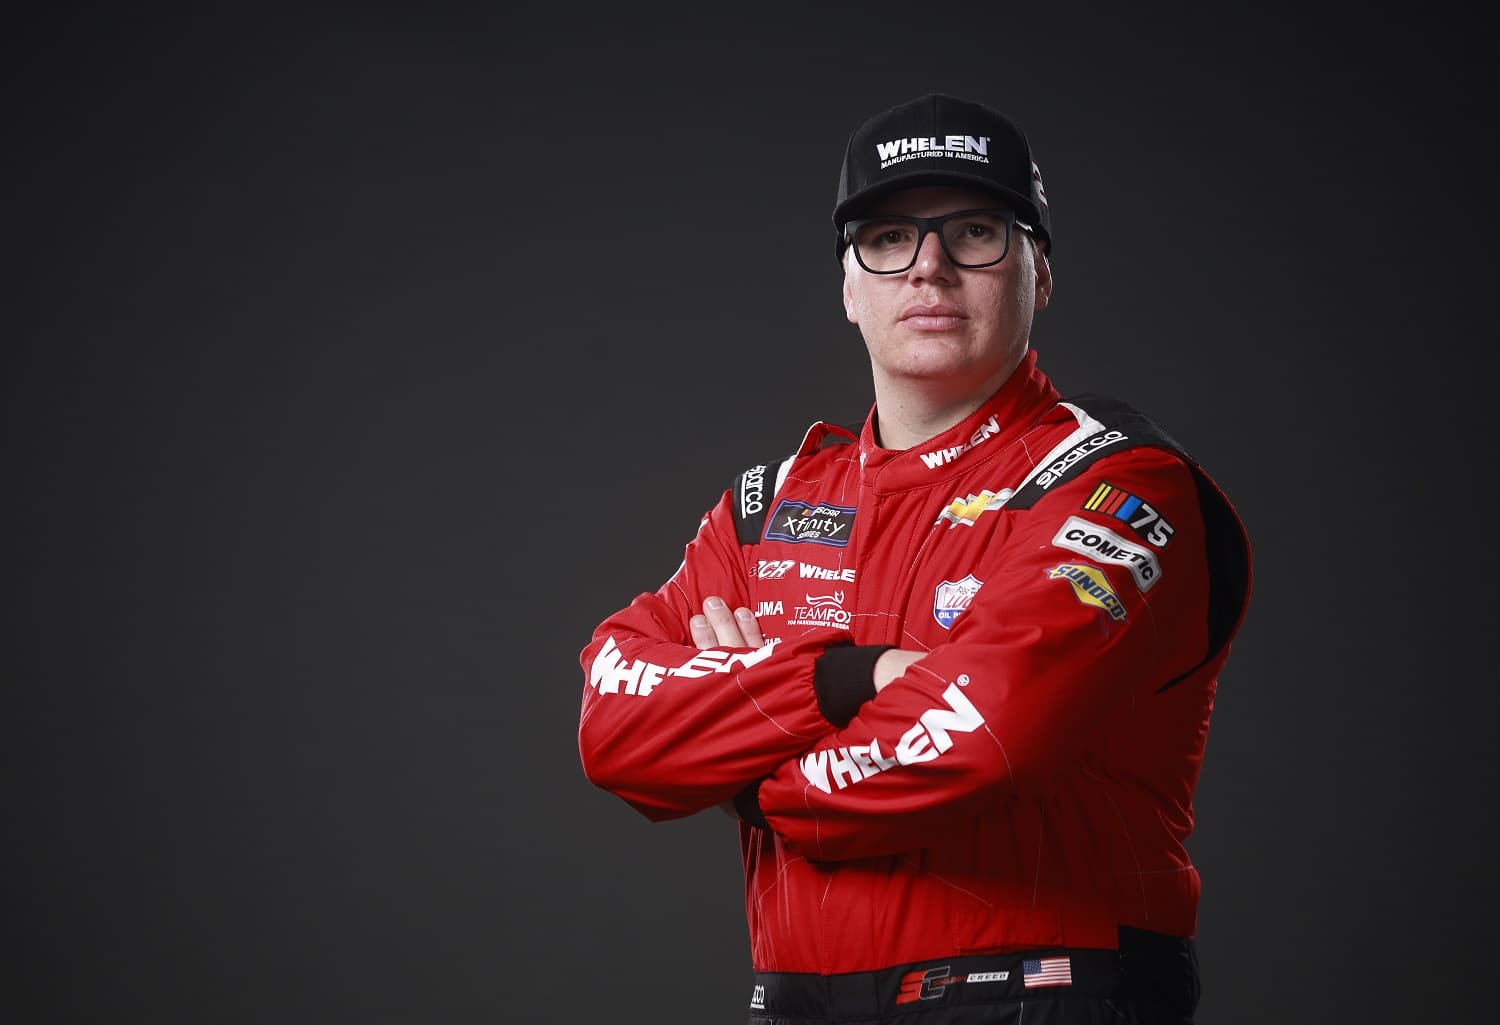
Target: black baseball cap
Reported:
[(941, 140)]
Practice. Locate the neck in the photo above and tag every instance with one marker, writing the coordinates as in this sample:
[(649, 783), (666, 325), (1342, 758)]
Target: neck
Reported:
[(909, 411)]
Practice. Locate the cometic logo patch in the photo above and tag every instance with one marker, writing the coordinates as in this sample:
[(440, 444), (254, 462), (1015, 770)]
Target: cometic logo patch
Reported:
[(1091, 587), (819, 524), (1103, 545), (962, 147)]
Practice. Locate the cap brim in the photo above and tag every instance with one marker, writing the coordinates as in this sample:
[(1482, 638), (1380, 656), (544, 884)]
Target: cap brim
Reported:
[(859, 203)]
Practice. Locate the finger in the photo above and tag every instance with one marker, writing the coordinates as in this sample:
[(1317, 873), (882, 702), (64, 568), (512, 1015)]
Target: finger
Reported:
[(722, 620), (749, 628), (890, 666), (703, 634)]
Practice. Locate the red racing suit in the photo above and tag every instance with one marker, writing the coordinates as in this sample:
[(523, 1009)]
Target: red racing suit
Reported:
[(1075, 579)]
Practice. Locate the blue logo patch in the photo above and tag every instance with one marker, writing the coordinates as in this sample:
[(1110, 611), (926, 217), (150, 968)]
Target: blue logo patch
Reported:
[(819, 524)]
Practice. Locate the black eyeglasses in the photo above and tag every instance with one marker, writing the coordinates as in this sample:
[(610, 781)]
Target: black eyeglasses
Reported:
[(971, 238)]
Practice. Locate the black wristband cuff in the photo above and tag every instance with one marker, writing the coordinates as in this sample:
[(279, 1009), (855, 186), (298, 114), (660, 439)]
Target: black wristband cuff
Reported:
[(844, 679), (747, 805)]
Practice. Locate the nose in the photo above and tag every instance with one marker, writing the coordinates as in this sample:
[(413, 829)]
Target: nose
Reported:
[(932, 263)]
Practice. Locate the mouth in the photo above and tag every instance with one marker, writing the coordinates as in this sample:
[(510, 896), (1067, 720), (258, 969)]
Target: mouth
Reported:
[(938, 317)]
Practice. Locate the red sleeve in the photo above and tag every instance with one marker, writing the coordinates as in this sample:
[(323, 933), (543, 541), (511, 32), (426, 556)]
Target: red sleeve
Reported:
[(1052, 644), (673, 730)]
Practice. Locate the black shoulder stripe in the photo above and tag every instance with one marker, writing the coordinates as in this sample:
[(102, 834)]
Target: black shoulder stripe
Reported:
[(1122, 427), (752, 494)]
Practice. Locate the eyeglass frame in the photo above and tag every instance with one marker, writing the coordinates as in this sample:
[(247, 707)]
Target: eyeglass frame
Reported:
[(928, 225)]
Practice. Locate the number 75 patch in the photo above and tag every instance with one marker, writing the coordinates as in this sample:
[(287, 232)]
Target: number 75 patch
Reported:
[(1127, 508)]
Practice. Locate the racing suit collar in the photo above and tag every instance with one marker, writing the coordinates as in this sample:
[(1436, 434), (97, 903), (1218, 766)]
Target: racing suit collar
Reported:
[(1004, 416)]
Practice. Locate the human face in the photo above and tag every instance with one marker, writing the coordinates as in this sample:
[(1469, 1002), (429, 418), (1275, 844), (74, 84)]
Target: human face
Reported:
[(936, 325)]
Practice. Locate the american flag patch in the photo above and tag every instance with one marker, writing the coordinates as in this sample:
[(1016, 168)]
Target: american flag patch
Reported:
[(1048, 971)]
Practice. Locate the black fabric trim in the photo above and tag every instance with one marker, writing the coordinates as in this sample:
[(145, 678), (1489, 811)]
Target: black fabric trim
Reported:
[(749, 513), (1138, 429), (747, 804), (1228, 553), (844, 679), (750, 496)]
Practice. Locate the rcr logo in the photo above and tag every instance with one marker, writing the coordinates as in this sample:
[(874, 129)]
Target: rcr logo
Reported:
[(774, 569), (752, 491)]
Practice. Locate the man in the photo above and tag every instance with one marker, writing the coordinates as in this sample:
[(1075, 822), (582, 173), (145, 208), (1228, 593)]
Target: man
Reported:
[(952, 670)]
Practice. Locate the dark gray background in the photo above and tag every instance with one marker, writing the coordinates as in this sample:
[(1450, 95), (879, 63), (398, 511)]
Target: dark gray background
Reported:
[(359, 364)]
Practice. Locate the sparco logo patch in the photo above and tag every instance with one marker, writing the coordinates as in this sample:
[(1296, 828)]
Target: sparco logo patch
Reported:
[(800, 522), (926, 985), (1127, 508), (961, 147), (752, 491), (943, 456), (1103, 545), (1053, 473), (952, 599), (929, 737), (1091, 587)]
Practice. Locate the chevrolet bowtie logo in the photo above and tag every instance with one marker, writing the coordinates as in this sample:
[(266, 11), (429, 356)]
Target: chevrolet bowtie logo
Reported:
[(967, 510)]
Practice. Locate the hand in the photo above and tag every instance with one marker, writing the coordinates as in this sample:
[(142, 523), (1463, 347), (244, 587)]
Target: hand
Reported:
[(892, 664), (718, 628)]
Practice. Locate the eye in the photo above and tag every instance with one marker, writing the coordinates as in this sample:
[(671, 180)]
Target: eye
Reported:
[(884, 235)]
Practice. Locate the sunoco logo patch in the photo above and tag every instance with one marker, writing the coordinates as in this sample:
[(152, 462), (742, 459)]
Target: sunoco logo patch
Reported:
[(1091, 587), (804, 523)]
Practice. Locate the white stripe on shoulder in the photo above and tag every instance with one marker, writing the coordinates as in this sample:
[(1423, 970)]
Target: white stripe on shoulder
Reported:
[(1087, 428), (781, 472)]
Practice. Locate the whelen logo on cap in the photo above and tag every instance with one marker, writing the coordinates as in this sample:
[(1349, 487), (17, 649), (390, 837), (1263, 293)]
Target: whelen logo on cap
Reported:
[(964, 147)]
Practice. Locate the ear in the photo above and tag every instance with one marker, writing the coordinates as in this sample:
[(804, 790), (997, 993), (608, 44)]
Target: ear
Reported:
[(1043, 277), (849, 300)]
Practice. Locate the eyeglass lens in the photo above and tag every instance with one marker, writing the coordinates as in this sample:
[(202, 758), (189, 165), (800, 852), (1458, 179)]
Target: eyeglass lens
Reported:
[(971, 239)]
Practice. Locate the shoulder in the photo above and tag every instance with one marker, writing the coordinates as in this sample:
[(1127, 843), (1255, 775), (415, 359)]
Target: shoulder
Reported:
[(1123, 467), (753, 488)]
